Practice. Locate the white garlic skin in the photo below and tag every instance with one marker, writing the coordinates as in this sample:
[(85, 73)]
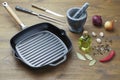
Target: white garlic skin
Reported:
[(99, 40), (101, 34), (94, 34)]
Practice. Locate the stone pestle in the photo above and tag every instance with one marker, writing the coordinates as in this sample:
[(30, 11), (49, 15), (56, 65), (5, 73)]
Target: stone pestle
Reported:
[(81, 10)]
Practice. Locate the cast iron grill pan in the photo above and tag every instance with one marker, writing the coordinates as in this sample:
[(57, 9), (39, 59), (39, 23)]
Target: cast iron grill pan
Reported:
[(41, 49)]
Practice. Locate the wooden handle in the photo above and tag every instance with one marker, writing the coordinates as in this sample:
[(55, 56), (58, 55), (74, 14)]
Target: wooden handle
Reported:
[(41, 8), (7, 7)]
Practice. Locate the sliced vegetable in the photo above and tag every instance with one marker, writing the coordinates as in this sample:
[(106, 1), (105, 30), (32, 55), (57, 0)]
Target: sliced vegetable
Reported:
[(92, 62), (80, 56), (109, 57), (88, 57)]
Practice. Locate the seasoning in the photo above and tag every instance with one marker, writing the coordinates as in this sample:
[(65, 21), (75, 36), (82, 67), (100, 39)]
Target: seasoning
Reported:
[(109, 57), (99, 40), (92, 62), (102, 48), (94, 34), (88, 57), (80, 56), (101, 34)]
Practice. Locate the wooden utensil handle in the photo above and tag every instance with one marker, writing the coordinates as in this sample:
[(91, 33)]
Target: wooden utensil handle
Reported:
[(41, 8), (8, 8)]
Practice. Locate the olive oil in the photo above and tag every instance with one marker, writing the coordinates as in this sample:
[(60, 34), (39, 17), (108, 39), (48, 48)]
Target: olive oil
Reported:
[(85, 42)]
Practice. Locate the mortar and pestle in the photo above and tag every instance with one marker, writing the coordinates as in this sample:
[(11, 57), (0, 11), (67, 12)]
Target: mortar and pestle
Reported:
[(76, 18)]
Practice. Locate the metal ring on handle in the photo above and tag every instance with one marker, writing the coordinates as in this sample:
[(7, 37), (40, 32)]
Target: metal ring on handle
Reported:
[(55, 64), (9, 9)]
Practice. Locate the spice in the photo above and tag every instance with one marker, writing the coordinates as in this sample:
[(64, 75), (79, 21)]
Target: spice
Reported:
[(99, 40), (88, 57), (92, 62), (101, 34), (109, 57), (80, 56), (94, 34), (102, 46)]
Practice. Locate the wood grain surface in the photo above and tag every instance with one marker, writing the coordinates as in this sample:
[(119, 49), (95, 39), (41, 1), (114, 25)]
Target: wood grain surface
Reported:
[(72, 68)]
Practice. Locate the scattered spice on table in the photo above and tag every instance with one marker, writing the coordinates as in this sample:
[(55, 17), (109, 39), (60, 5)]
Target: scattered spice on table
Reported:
[(101, 47)]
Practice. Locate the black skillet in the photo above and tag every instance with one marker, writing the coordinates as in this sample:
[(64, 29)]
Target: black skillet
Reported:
[(39, 45)]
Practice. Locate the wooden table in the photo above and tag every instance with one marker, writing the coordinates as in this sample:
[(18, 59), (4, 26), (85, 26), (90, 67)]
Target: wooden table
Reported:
[(72, 68)]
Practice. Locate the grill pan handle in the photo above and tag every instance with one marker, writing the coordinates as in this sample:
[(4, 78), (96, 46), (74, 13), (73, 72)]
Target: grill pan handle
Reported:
[(8, 8), (16, 55), (62, 32), (59, 62)]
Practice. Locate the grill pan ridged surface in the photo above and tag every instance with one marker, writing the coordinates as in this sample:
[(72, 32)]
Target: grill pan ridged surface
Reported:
[(41, 49)]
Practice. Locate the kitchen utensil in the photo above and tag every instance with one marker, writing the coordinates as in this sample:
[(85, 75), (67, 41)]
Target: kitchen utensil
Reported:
[(81, 10), (76, 18), (46, 10), (76, 24), (39, 45), (39, 15)]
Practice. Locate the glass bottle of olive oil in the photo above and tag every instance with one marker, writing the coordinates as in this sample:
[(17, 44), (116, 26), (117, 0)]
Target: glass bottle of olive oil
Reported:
[(85, 41)]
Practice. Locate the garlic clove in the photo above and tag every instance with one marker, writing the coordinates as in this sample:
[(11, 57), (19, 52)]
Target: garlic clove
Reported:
[(101, 34), (94, 34), (99, 40)]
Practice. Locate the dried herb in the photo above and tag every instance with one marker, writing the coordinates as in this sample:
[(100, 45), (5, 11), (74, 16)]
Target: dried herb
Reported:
[(92, 62), (88, 57), (80, 56)]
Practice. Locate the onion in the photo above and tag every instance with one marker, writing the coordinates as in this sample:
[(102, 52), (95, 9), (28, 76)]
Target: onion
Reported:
[(97, 20), (108, 25)]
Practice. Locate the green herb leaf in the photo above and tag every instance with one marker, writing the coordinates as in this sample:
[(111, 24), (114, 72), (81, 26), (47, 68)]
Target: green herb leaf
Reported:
[(80, 56), (88, 57), (92, 62)]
